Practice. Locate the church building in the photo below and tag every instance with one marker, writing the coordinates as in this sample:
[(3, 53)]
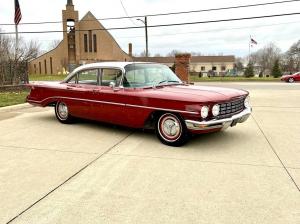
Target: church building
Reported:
[(84, 41)]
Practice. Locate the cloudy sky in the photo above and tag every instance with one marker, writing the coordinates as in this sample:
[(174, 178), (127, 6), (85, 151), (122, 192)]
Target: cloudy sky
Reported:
[(211, 38)]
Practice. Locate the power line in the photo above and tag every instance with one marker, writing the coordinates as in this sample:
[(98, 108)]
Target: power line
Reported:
[(212, 30), (127, 13), (162, 25), (163, 14)]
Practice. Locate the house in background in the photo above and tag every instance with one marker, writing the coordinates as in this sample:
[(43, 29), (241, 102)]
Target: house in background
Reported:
[(207, 65), (84, 41)]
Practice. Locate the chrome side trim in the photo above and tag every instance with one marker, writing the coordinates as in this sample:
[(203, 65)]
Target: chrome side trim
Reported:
[(113, 103), (163, 109), (222, 123)]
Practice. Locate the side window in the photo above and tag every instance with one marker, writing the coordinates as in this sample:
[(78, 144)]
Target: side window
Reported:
[(89, 77), (111, 75)]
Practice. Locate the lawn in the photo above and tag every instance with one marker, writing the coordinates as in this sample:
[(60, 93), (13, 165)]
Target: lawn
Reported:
[(233, 79), (47, 77), (12, 98)]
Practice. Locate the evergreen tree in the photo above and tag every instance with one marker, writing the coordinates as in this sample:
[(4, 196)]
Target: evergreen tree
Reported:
[(249, 72), (276, 71)]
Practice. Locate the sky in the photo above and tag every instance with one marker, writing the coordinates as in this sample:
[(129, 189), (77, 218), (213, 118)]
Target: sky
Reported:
[(227, 38)]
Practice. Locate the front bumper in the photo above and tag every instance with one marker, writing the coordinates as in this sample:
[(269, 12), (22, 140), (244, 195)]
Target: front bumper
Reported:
[(218, 124)]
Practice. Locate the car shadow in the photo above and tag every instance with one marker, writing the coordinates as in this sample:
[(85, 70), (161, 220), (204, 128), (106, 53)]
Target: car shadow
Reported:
[(206, 140)]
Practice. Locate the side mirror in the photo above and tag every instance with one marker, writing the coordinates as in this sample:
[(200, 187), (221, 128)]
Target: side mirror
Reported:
[(112, 85)]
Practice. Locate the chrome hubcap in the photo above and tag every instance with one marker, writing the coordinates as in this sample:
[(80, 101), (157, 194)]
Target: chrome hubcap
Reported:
[(62, 111), (169, 128)]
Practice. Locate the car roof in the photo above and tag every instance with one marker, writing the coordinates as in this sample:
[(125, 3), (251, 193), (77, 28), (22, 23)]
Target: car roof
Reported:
[(113, 64)]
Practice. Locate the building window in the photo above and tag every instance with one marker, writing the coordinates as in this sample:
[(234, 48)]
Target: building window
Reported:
[(202, 68), (45, 65), (214, 68), (34, 68), (95, 42), (223, 68), (85, 43), (40, 67), (90, 41), (51, 67)]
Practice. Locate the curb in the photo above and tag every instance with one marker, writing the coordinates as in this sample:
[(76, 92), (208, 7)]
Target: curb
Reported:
[(15, 107)]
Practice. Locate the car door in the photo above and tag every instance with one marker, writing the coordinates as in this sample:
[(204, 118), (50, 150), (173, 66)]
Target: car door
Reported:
[(80, 92), (110, 96)]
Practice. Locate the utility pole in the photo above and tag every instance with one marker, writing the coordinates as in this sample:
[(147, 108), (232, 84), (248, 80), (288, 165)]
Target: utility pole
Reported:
[(146, 33)]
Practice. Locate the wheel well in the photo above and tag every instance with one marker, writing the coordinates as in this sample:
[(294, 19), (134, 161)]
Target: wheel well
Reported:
[(150, 122), (51, 104)]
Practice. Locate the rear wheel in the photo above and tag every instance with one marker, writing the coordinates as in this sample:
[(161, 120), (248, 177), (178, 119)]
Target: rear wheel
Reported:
[(171, 129), (62, 113), (291, 79)]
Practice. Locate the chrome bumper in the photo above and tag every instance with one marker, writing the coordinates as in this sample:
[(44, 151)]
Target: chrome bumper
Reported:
[(222, 123)]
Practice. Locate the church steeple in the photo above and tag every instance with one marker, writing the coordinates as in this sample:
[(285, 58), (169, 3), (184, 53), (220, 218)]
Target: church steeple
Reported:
[(70, 2)]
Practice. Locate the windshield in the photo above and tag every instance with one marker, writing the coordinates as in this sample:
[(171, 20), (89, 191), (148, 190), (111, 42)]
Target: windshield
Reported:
[(146, 75)]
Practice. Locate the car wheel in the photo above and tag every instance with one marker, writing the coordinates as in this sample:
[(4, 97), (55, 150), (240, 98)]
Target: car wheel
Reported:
[(171, 129), (62, 113), (291, 80)]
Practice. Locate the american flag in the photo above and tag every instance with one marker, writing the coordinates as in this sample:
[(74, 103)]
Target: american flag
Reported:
[(18, 14), (253, 41)]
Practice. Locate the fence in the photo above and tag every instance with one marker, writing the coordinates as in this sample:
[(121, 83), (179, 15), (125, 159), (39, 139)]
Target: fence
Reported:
[(12, 73)]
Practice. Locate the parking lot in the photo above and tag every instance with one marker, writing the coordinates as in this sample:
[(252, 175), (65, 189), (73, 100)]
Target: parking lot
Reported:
[(97, 173)]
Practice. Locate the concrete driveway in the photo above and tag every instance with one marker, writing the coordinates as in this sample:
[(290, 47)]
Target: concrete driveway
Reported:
[(95, 173)]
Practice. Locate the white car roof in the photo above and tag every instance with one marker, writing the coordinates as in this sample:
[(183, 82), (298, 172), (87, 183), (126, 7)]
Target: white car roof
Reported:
[(113, 64)]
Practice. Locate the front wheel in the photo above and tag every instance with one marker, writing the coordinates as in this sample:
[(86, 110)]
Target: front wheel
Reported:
[(62, 113), (291, 80), (171, 129)]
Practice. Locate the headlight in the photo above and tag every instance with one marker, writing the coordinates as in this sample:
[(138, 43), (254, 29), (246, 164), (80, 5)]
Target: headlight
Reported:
[(216, 110), (204, 111), (247, 101)]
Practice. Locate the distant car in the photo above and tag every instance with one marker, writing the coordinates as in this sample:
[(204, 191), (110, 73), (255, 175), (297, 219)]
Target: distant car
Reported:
[(291, 78), (142, 95)]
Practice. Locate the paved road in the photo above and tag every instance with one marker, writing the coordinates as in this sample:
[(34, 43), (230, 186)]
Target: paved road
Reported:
[(94, 173)]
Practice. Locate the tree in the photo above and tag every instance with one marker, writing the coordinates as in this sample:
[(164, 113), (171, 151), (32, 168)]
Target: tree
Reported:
[(173, 53), (276, 71), (54, 44), (249, 72), (265, 58), (291, 61), (239, 64)]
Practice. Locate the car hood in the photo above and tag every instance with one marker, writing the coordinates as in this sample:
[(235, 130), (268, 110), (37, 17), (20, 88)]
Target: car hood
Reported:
[(199, 93)]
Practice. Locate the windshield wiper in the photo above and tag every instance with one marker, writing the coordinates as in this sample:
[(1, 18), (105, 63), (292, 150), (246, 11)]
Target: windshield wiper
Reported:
[(168, 81)]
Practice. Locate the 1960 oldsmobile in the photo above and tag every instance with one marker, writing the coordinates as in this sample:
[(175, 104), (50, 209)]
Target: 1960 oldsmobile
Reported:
[(142, 95)]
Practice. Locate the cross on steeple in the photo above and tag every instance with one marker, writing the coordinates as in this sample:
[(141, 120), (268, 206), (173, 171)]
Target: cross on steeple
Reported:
[(70, 2)]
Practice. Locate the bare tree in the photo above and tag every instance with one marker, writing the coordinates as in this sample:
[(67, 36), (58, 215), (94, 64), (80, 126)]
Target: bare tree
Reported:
[(265, 58), (14, 65), (173, 53), (291, 61), (54, 44)]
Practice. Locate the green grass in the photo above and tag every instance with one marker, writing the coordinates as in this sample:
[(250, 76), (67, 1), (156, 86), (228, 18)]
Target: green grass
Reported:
[(47, 77), (12, 98), (233, 79)]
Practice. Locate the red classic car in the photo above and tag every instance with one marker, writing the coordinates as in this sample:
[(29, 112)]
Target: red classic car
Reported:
[(291, 78), (142, 95)]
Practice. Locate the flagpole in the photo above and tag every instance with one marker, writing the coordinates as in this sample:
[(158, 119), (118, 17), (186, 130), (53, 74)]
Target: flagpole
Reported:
[(17, 42), (249, 50)]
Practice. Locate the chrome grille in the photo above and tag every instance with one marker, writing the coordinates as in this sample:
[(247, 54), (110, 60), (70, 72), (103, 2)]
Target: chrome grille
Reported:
[(229, 108)]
